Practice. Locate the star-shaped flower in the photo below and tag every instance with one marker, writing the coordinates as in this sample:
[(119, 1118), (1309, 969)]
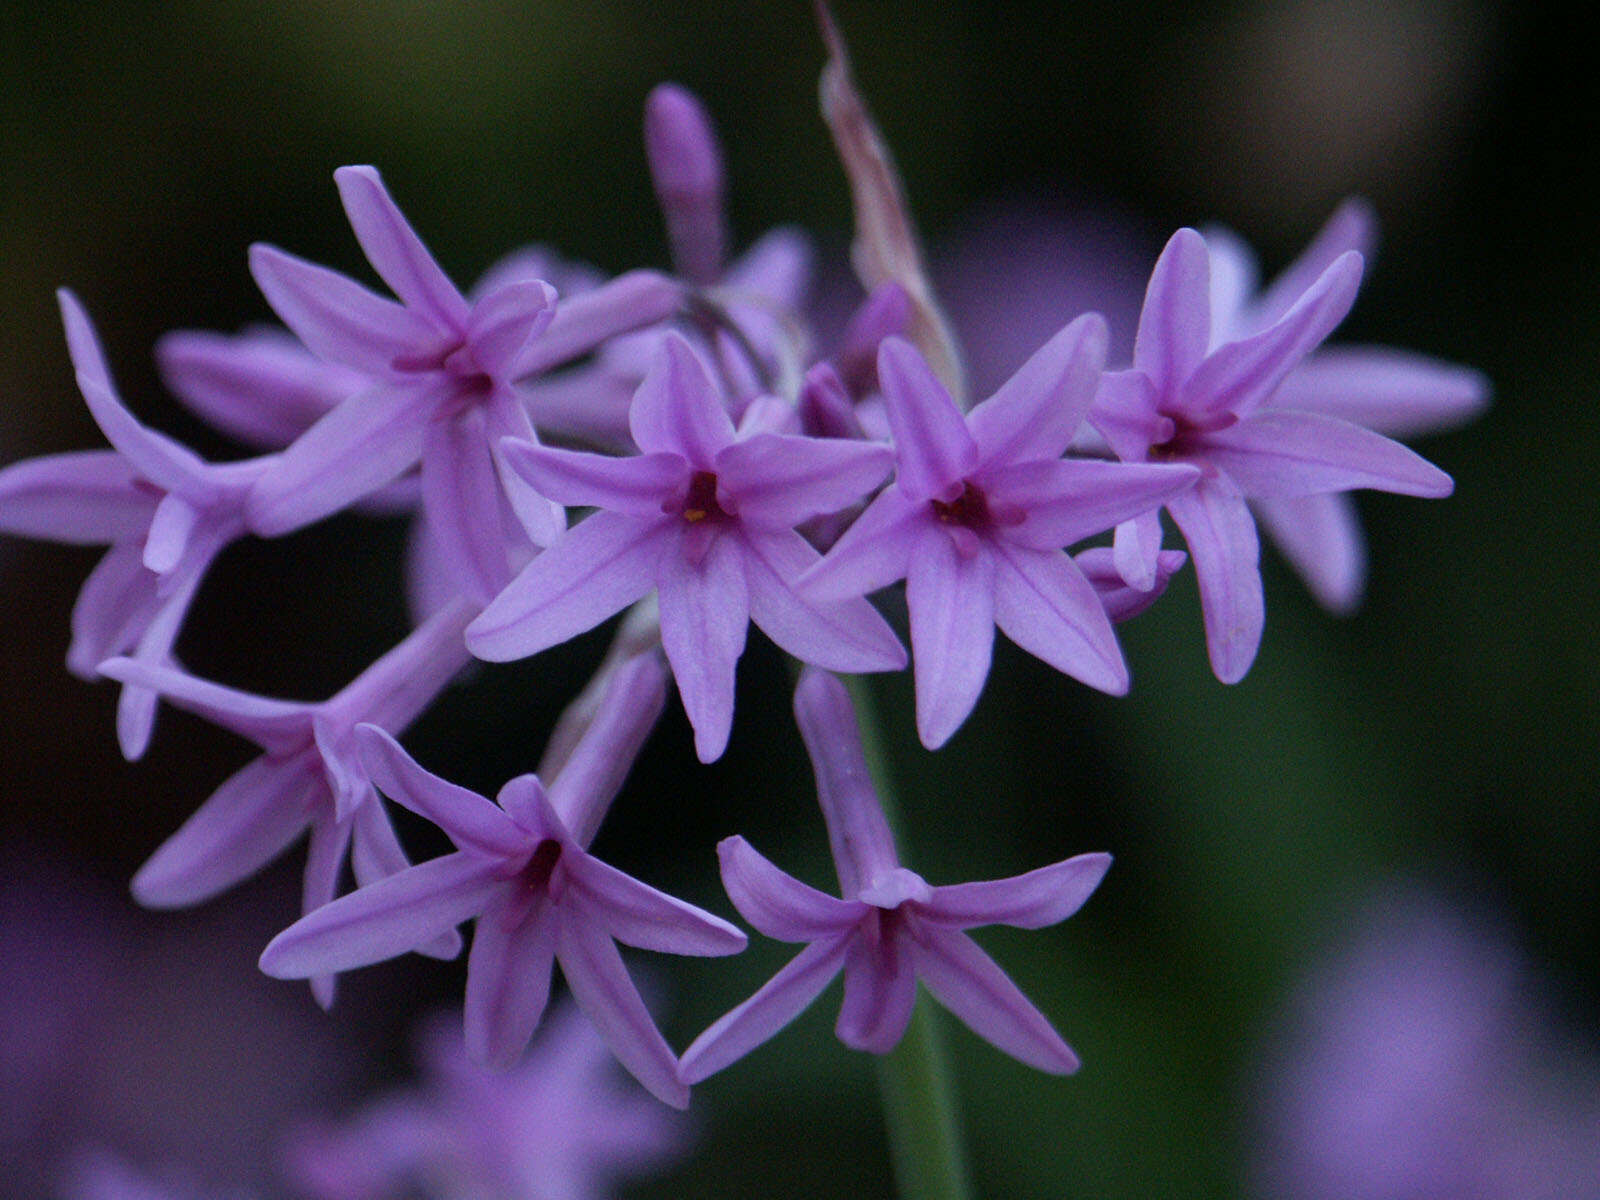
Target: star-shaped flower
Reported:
[(976, 522), (1195, 395), (523, 873), (705, 517), (891, 929)]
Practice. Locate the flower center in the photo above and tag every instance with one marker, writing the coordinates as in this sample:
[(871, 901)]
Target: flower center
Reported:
[(536, 873), (701, 502), (1182, 437), (970, 510)]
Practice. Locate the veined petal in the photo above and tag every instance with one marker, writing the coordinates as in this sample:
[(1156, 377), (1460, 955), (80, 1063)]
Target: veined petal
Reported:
[(639, 915), (582, 322), (507, 319), (933, 449), (85, 498), (846, 635), (678, 409), (279, 727), (873, 553), (508, 980), (1036, 411), (778, 904), (951, 598), (1032, 901), (1221, 535), (395, 251), (338, 319), (600, 984), (392, 916), (1321, 537), (1043, 603), (1067, 500), (967, 982), (1353, 227), (246, 823), (358, 447), (1277, 455), (602, 565), (775, 482), (461, 491), (705, 614), (880, 988), (474, 823), (1175, 323), (780, 1000), (638, 485), (1392, 392)]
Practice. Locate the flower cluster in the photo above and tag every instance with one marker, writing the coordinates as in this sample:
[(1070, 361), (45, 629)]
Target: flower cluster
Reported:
[(680, 448)]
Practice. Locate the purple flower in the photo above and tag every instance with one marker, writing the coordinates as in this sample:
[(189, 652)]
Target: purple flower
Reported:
[(165, 513), (523, 873), (309, 777), (891, 929), (705, 518), (560, 1125), (981, 508), (1198, 393)]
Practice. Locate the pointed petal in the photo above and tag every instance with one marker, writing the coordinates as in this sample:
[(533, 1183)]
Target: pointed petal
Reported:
[(602, 565), (136, 707), (600, 984), (507, 319), (1122, 601), (1067, 500), (1136, 550), (508, 981), (474, 823), (873, 553), (1043, 603), (114, 607), (775, 482), (1277, 455), (778, 904), (846, 635), (1221, 535), (395, 251), (705, 614), (951, 598), (967, 982), (1353, 227), (170, 527), (638, 915), (1238, 376), (639, 485), (338, 319), (1036, 411), (1321, 537), (85, 498), (1032, 901), (461, 492), (678, 409), (1392, 392), (246, 823), (583, 322), (375, 854), (1235, 275), (1124, 413), (277, 726), (780, 1000), (506, 418), (325, 848), (880, 988), (933, 449), (1175, 324)]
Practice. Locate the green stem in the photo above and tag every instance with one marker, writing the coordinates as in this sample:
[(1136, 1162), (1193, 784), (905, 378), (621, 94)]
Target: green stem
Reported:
[(919, 1100)]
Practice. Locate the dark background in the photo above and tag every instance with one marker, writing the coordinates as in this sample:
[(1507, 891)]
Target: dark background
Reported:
[(1444, 734)]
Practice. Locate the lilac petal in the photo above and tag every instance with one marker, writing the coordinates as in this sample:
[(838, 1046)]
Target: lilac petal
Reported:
[(586, 404), (583, 322), (395, 251), (1124, 413), (375, 854), (473, 823), (952, 602), (461, 491), (1136, 550), (1175, 324), (86, 498), (639, 485), (277, 726), (1392, 392), (1321, 537), (245, 824), (1032, 901), (508, 980), (967, 982), (1238, 376), (507, 319), (1067, 500), (325, 851), (1036, 411), (1276, 455), (639, 915), (602, 565), (1043, 603), (686, 167), (678, 410), (780, 1000), (1123, 602), (873, 553), (705, 614), (170, 528), (395, 689), (778, 904), (775, 482), (600, 984), (361, 445), (1235, 275), (858, 832), (846, 635), (933, 448), (136, 707), (542, 519), (880, 988), (1216, 524), (777, 266), (338, 319), (886, 312), (824, 406), (1352, 227), (114, 607)]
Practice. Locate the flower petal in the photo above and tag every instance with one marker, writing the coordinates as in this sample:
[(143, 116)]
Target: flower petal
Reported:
[(1122, 601), (1043, 603), (277, 726), (1136, 550), (114, 607), (396, 252), (474, 823), (951, 597), (508, 980), (507, 319), (639, 485), (705, 614), (873, 553), (1392, 392), (775, 482), (686, 167), (1321, 537), (846, 635), (1221, 535), (1036, 411), (461, 491), (87, 498), (1066, 500), (1352, 227), (880, 989), (582, 322), (778, 904), (933, 449), (1175, 323), (1032, 901), (639, 915), (1278, 455), (678, 409)]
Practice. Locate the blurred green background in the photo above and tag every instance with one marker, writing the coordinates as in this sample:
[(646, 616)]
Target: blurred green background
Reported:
[(1447, 732)]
